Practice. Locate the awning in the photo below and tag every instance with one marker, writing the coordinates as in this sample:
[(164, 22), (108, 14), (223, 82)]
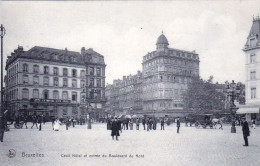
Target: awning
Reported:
[(247, 110)]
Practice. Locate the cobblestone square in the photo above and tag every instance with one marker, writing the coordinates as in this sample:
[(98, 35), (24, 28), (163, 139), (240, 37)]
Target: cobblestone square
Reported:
[(80, 146)]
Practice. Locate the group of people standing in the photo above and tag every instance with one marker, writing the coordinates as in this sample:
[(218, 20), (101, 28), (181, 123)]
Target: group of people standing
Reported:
[(116, 125)]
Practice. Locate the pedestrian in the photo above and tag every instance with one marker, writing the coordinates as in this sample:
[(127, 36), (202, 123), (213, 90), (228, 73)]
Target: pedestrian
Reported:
[(56, 125), (147, 124), (108, 124), (143, 122), (253, 124), (246, 131), (150, 123), (119, 124), (220, 123), (115, 129), (127, 121), (25, 120), (67, 123), (34, 118), (131, 124), (73, 122), (137, 123), (2, 130), (43, 119), (52, 121), (162, 124), (124, 123), (178, 125), (154, 123), (40, 120)]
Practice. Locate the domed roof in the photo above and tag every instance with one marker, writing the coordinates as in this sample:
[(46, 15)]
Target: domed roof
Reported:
[(162, 40)]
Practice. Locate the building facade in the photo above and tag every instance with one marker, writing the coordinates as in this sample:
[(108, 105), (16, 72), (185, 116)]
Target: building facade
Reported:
[(158, 88), (166, 72), (252, 82), (51, 81), (124, 96)]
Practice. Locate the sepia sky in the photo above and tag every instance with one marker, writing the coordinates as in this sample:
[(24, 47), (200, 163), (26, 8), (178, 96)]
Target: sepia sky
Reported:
[(125, 31)]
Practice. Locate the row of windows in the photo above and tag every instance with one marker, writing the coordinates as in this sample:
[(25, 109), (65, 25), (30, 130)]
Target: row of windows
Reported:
[(46, 70), (11, 71), (171, 61), (45, 94), (180, 54), (46, 81)]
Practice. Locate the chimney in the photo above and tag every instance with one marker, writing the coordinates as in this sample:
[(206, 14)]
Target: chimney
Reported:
[(83, 50)]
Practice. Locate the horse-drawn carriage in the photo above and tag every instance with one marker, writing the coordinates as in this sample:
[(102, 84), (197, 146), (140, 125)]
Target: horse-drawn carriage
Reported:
[(26, 115), (204, 121)]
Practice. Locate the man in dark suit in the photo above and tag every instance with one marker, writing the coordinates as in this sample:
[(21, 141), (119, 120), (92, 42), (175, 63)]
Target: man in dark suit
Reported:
[(245, 129), (162, 124), (115, 129), (178, 125)]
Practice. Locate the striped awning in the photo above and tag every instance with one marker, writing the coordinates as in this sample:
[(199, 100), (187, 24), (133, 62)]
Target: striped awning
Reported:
[(248, 110)]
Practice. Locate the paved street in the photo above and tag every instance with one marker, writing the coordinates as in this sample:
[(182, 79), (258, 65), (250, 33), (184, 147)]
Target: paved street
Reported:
[(192, 147)]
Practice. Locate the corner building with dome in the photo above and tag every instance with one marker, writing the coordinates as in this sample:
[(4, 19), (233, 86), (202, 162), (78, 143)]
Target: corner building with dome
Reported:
[(165, 76), (166, 73)]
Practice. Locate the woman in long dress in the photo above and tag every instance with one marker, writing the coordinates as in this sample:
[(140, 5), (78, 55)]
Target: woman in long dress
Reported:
[(56, 126)]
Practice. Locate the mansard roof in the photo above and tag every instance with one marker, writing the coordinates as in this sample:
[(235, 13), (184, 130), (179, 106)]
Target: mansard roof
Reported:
[(254, 34), (59, 55)]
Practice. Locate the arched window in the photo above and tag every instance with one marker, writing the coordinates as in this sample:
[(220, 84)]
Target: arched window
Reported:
[(25, 79), (25, 67), (98, 82), (82, 73), (55, 94), (35, 80), (65, 72), (74, 96), (45, 94), (46, 81), (25, 93), (82, 97), (74, 83), (35, 68), (65, 82), (56, 81), (55, 71), (82, 83), (36, 93), (65, 95), (98, 71), (46, 70), (74, 73)]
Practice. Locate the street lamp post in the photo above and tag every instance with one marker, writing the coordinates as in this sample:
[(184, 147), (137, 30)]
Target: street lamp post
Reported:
[(2, 33), (233, 92), (87, 61)]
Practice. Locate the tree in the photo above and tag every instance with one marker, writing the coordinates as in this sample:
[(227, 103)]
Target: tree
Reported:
[(203, 96)]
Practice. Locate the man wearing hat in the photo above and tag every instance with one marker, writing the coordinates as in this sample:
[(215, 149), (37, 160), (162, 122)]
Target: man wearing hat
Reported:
[(115, 129), (245, 129)]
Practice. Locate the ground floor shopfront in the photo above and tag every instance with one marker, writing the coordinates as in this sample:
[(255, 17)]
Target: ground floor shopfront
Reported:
[(251, 112), (52, 108)]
